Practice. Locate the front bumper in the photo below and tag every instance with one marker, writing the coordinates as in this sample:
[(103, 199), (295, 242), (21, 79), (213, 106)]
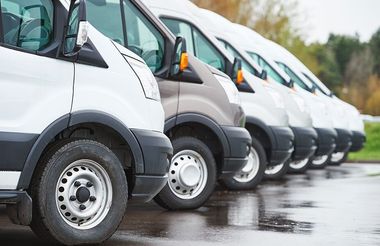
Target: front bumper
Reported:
[(344, 140), (239, 141), (282, 140), (326, 141), (305, 142), (358, 141), (157, 151)]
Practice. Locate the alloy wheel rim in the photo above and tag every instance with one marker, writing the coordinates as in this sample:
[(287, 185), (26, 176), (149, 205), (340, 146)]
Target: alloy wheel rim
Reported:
[(187, 174), (299, 164), (251, 169), (272, 170), (320, 160), (338, 156), (84, 194)]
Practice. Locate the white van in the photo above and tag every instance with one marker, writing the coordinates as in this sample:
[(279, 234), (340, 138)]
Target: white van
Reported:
[(257, 48), (267, 120), (81, 124), (352, 115), (339, 116), (234, 39)]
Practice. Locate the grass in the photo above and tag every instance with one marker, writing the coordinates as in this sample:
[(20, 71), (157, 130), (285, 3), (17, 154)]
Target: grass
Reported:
[(371, 151)]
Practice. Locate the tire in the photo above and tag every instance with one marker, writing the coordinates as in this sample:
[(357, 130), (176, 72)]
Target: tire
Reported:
[(277, 172), (248, 179), (299, 170), (320, 163), (192, 176), (338, 162), (97, 170)]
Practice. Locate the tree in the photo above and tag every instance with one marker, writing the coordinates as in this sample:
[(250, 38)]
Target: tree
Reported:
[(375, 48), (343, 47)]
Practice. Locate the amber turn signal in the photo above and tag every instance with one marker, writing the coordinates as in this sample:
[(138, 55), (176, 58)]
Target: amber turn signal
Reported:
[(239, 77), (184, 62)]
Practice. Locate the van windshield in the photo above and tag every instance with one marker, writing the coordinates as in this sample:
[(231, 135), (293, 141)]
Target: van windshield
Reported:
[(129, 27)]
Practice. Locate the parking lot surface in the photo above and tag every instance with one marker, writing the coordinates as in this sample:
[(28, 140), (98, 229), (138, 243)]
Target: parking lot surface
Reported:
[(336, 206)]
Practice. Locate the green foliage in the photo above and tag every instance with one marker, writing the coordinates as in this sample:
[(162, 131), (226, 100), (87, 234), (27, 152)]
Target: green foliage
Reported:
[(375, 48), (371, 150), (343, 47)]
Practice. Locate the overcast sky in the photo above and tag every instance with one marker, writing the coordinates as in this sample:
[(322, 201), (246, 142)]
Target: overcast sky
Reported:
[(339, 16)]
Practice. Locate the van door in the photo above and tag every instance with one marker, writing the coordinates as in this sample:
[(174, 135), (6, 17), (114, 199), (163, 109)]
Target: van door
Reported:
[(34, 90), (130, 28)]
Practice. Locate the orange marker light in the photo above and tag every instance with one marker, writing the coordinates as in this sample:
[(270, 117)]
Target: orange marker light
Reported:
[(239, 77), (184, 62)]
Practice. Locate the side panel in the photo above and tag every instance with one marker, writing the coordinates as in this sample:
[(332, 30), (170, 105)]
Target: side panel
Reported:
[(208, 98), (169, 91), (115, 90), (31, 95)]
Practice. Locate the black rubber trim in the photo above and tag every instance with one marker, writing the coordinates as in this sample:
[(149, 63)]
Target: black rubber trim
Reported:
[(14, 149), (344, 140), (170, 123), (40, 144), (305, 142), (239, 141), (326, 141), (147, 187), (358, 141), (11, 197), (284, 144), (281, 140), (204, 120), (89, 55), (157, 151)]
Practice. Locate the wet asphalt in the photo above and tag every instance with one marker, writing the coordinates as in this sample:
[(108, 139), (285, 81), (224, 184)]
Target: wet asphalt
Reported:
[(336, 206)]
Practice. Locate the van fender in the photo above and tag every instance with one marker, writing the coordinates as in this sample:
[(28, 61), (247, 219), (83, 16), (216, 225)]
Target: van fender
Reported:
[(71, 120), (201, 119)]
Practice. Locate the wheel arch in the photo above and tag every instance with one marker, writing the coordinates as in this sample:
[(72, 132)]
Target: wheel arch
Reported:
[(201, 122), (258, 129), (71, 120)]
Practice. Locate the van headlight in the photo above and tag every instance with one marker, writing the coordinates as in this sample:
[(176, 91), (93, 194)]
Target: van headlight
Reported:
[(147, 80), (230, 89), (277, 98)]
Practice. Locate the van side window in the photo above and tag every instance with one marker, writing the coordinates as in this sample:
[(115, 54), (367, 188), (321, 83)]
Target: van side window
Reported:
[(266, 66), (27, 24), (106, 17), (203, 49), (236, 54), (136, 33), (181, 29), (143, 38), (292, 75)]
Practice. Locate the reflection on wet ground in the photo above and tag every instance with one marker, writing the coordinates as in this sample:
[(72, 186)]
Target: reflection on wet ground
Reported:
[(337, 206)]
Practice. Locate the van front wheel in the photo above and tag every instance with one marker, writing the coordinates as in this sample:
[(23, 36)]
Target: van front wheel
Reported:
[(252, 173), (79, 193), (192, 176)]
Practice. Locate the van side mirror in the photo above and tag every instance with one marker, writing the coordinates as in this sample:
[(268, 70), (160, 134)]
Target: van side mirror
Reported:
[(237, 72), (76, 31), (264, 75), (180, 58)]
